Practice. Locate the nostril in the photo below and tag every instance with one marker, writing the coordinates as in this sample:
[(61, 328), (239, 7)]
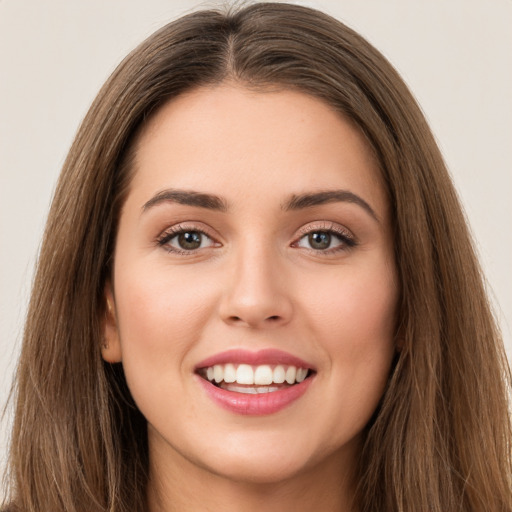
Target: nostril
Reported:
[(237, 319)]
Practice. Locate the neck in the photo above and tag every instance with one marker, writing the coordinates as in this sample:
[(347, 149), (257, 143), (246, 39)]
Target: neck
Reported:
[(185, 486)]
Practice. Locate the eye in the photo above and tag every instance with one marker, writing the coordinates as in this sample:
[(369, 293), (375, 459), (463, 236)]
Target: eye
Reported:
[(326, 240), (188, 240), (319, 240), (183, 240)]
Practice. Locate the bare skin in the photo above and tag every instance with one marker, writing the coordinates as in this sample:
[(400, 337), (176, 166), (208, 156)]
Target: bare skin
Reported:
[(255, 222), (323, 488)]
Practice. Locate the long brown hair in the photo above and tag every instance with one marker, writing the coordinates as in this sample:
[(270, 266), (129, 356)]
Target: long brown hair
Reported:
[(441, 438)]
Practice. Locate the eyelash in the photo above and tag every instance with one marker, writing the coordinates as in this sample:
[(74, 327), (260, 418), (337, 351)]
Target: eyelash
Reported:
[(347, 240), (164, 239)]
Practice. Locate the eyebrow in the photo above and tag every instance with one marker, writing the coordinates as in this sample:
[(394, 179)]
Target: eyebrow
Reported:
[(187, 197), (298, 202)]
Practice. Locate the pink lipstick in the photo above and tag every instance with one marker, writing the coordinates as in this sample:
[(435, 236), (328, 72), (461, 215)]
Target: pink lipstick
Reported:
[(254, 383)]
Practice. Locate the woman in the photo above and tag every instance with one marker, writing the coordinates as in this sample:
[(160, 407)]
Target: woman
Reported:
[(257, 289)]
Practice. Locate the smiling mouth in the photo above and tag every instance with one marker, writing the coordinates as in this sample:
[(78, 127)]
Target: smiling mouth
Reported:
[(249, 379)]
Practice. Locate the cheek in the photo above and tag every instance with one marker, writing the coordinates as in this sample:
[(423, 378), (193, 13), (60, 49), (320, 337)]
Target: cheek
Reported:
[(160, 318), (358, 305), (354, 324), (161, 315), (159, 309)]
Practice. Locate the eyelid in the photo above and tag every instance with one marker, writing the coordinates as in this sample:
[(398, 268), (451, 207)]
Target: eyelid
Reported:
[(324, 226), (169, 233), (346, 236), (348, 240)]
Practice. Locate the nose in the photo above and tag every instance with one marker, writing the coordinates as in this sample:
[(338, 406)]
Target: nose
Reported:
[(257, 293)]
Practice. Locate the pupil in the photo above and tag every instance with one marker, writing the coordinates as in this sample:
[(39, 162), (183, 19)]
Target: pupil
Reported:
[(189, 240), (320, 240)]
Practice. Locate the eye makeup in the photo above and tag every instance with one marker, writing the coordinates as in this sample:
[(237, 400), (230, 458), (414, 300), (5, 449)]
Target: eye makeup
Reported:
[(324, 238)]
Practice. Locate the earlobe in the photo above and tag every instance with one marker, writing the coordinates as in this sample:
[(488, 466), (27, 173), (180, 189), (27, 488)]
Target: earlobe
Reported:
[(110, 343)]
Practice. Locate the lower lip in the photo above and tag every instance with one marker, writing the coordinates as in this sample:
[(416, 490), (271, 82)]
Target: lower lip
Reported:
[(255, 405)]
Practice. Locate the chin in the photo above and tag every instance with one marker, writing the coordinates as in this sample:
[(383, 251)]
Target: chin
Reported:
[(258, 470), (268, 458)]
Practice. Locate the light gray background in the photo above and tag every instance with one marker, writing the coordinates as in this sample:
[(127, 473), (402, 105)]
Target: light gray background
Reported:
[(55, 54)]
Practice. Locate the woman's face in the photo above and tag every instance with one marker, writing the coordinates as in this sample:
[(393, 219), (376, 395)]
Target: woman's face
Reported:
[(254, 285)]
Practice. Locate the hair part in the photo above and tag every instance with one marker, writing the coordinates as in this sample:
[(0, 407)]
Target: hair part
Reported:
[(441, 438)]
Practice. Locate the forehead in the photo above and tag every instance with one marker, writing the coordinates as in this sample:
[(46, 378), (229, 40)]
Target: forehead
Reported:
[(226, 138)]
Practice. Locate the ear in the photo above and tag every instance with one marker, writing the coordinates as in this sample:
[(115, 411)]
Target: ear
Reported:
[(110, 346)]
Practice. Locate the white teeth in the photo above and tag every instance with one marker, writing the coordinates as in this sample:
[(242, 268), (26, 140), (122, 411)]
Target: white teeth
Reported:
[(267, 389), (279, 374), (249, 391), (262, 375), (229, 373), (291, 373), (245, 374), (301, 374), (218, 373)]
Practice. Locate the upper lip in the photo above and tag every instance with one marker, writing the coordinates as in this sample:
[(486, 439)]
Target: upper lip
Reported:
[(268, 356)]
